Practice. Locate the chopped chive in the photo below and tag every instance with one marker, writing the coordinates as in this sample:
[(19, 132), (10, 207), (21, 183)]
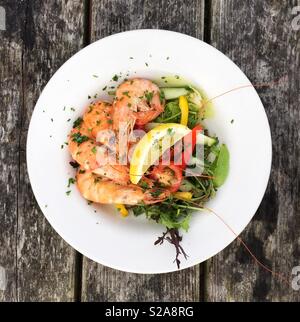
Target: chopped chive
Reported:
[(70, 181), (115, 78)]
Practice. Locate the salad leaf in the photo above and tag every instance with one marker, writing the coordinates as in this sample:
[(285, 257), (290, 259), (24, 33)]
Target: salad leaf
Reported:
[(172, 114)]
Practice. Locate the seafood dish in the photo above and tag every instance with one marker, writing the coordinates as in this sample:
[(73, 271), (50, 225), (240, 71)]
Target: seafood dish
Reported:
[(147, 152)]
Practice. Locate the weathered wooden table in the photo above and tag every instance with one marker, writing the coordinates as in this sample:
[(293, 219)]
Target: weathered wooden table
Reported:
[(262, 37)]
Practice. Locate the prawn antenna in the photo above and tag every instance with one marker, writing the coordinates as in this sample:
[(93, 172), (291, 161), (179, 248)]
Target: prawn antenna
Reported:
[(279, 276), (258, 85)]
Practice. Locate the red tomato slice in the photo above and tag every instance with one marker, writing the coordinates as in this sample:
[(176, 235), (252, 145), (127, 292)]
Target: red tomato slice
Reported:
[(168, 175)]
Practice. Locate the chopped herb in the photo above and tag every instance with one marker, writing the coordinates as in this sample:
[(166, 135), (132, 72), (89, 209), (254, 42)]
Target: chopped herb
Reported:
[(126, 94), (177, 77), (129, 104), (163, 77), (77, 122), (130, 57), (90, 202), (109, 121), (78, 138), (146, 64), (170, 131), (62, 146), (70, 181), (66, 143), (168, 58), (43, 111), (98, 122), (74, 164), (96, 76), (95, 96), (46, 206), (68, 192), (68, 120), (149, 96), (104, 88), (72, 109), (232, 121), (115, 78), (81, 171), (64, 108), (89, 97), (51, 120), (111, 93), (94, 150)]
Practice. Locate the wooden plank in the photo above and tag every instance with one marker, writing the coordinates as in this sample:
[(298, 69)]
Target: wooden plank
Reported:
[(101, 283), (45, 264), (259, 37), (11, 100)]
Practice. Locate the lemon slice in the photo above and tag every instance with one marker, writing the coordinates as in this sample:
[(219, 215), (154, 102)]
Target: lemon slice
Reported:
[(152, 146)]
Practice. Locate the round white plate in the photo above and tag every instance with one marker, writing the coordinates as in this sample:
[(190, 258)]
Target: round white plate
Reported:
[(98, 232)]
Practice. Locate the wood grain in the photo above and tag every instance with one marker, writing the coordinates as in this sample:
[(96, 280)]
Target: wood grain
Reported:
[(39, 265), (259, 37), (101, 283), (10, 116)]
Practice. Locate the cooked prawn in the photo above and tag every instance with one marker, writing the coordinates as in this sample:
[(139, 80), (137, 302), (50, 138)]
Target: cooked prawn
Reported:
[(98, 117), (83, 149), (82, 144), (97, 189), (138, 101)]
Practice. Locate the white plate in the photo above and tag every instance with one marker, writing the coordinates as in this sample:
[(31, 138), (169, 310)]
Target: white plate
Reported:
[(127, 243)]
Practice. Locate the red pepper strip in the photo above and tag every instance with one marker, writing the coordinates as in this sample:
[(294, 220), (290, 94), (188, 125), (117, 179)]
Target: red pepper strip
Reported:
[(171, 181), (189, 142)]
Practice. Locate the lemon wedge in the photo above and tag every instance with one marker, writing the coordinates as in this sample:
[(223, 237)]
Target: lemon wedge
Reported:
[(152, 145)]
